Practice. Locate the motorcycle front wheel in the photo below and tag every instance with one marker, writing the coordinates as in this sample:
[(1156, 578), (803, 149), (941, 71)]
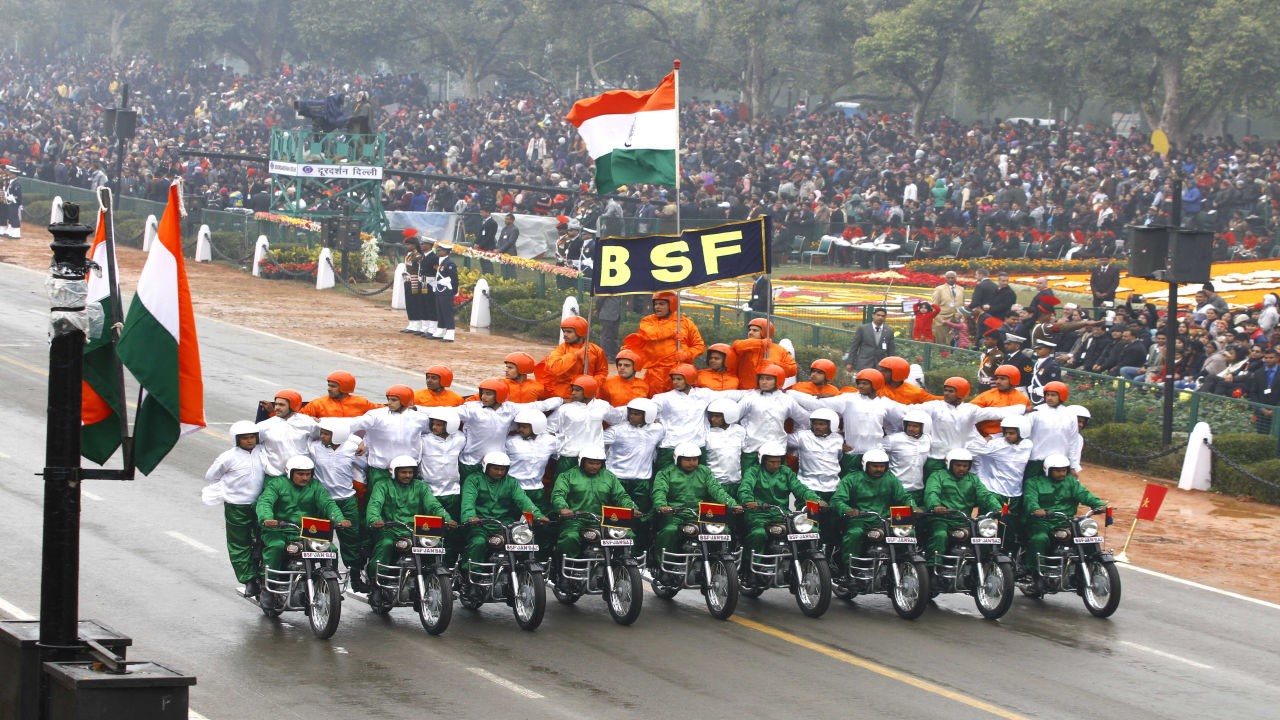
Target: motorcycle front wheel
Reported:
[(1102, 593), (813, 587), (435, 606), (911, 593), (722, 589), (626, 596), (530, 603), (994, 597), (326, 607)]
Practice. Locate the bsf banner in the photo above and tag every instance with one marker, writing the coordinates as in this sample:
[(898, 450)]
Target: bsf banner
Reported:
[(650, 263)]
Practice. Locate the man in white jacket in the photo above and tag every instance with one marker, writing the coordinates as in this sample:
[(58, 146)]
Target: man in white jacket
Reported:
[(287, 433), (235, 479), (954, 421), (1056, 429), (390, 432)]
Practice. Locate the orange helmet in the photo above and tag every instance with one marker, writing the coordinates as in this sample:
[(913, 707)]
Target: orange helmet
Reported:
[(588, 384), (1009, 371), (345, 380), (498, 386), (959, 384), (897, 367), (577, 323), (1059, 387), (873, 376), (687, 371), (824, 366), (403, 392), (294, 398), (776, 371), (730, 357), (766, 327), (444, 373), (523, 361), (672, 298)]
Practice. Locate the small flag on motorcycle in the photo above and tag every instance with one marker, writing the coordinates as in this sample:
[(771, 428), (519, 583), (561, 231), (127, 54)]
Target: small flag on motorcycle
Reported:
[(900, 515), (812, 507), (712, 512), (1152, 498), (528, 518), (1004, 509), (428, 525), (316, 529), (1111, 520), (616, 517)]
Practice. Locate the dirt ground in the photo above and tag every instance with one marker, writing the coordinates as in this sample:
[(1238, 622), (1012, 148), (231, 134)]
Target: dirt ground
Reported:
[(1204, 537)]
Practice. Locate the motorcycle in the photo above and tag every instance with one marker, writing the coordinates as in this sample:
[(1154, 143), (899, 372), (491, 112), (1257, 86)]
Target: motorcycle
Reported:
[(605, 567), (310, 581), (510, 573), (707, 561), (1075, 562), (793, 558), (974, 563), (417, 577), (893, 565)]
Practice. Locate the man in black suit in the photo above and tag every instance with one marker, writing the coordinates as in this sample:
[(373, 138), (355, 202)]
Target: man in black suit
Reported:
[(1263, 386), (1092, 348), (872, 343), (487, 240), (1103, 282)]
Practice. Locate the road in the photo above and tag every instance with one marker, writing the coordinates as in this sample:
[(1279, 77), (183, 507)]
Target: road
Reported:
[(153, 567)]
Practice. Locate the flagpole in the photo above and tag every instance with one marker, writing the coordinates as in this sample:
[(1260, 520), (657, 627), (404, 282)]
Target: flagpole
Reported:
[(675, 72), (1122, 557), (106, 203)]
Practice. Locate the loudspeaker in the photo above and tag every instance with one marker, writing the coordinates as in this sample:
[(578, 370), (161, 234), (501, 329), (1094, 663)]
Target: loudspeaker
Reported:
[(349, 233), (1149, 250), (1192, 256), (328, 232), (122, 124)]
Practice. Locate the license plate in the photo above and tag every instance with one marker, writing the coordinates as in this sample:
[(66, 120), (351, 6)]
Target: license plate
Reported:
[(319, 555), (802, 536), (618, 543), (713, 538), (985, 541), (428, 551), (900, 540), (1088, 540), (522, 548)]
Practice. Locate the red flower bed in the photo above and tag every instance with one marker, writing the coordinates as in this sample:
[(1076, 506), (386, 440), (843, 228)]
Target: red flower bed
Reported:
[(912, 278)]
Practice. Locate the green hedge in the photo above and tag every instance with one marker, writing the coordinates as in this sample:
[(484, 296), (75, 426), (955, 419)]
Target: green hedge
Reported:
[(527, 309), (1122, 438), (1245, 448)]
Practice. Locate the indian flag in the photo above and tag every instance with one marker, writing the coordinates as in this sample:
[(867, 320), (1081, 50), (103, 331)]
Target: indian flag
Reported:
[(159, 346), (100, 410), (631, 135)]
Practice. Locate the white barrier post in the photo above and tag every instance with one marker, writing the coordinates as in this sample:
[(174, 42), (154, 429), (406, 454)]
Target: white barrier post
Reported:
[(481, 318), (397, 288), (569, 309), (204, 245), (324, 270), (149, 235), (1197, 464), (259, 254), (916, 374), (55, 211), (786, 344)]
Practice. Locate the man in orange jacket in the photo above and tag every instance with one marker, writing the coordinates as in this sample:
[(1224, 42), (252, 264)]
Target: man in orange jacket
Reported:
[(664, 343), (720, 371), (620, 389), (757, 350), (339, 402), (1004, 394), (437, 392), (520, 386), (565, 362), (821, 382), (896, 385)]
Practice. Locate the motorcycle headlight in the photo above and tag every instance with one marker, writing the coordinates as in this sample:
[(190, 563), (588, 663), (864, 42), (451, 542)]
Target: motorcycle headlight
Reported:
[(496, 540), (714, 528), (988, 527), (776, 529), (960, 534), (1061, 535), (322, 545), (1089, 527), (875, 534), (802, 523), (430, 541), (689, 529), (903, 530), (521, 535), (293, 548), (617, 533), (590, 535), (402, 544)]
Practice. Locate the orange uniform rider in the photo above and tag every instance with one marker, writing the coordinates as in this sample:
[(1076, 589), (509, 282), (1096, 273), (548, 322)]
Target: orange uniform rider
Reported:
[(822, 374), (1004, 394), (896, 385), (664, 343), (757, 350), (721, 371), (520, 387), (620, 389), (558, 370), (340, 402), (437, 392)]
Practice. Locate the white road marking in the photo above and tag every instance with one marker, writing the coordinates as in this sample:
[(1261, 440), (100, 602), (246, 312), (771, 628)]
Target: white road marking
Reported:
[(14, 611), (190, 541), (4, 457), (91, 496), (1192, 583), (1164, 654), (263, 381), (503, 682), (193, 715)]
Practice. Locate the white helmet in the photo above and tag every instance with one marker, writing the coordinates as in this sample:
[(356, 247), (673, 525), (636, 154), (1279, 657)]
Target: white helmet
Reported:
[(687, 449), (827, 414), (646, 406), (1056, 460), (337, 427), (958, 454), (725, 407), (533, 418), (242, 427), (874, 455), (916, 416), (448, 416), (591, 452), (495, 457), (1080, 411), (1019, 423), (298, 462), (772, 449), (400, 461)]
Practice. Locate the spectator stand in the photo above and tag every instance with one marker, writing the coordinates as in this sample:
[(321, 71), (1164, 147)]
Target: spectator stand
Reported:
[(334, 174)]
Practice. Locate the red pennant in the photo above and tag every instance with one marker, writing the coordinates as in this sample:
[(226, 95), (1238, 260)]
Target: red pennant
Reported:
[(1152, 497)]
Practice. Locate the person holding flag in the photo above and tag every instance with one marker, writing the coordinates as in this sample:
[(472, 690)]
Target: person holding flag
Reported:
[(567, 361), (665, 340)]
